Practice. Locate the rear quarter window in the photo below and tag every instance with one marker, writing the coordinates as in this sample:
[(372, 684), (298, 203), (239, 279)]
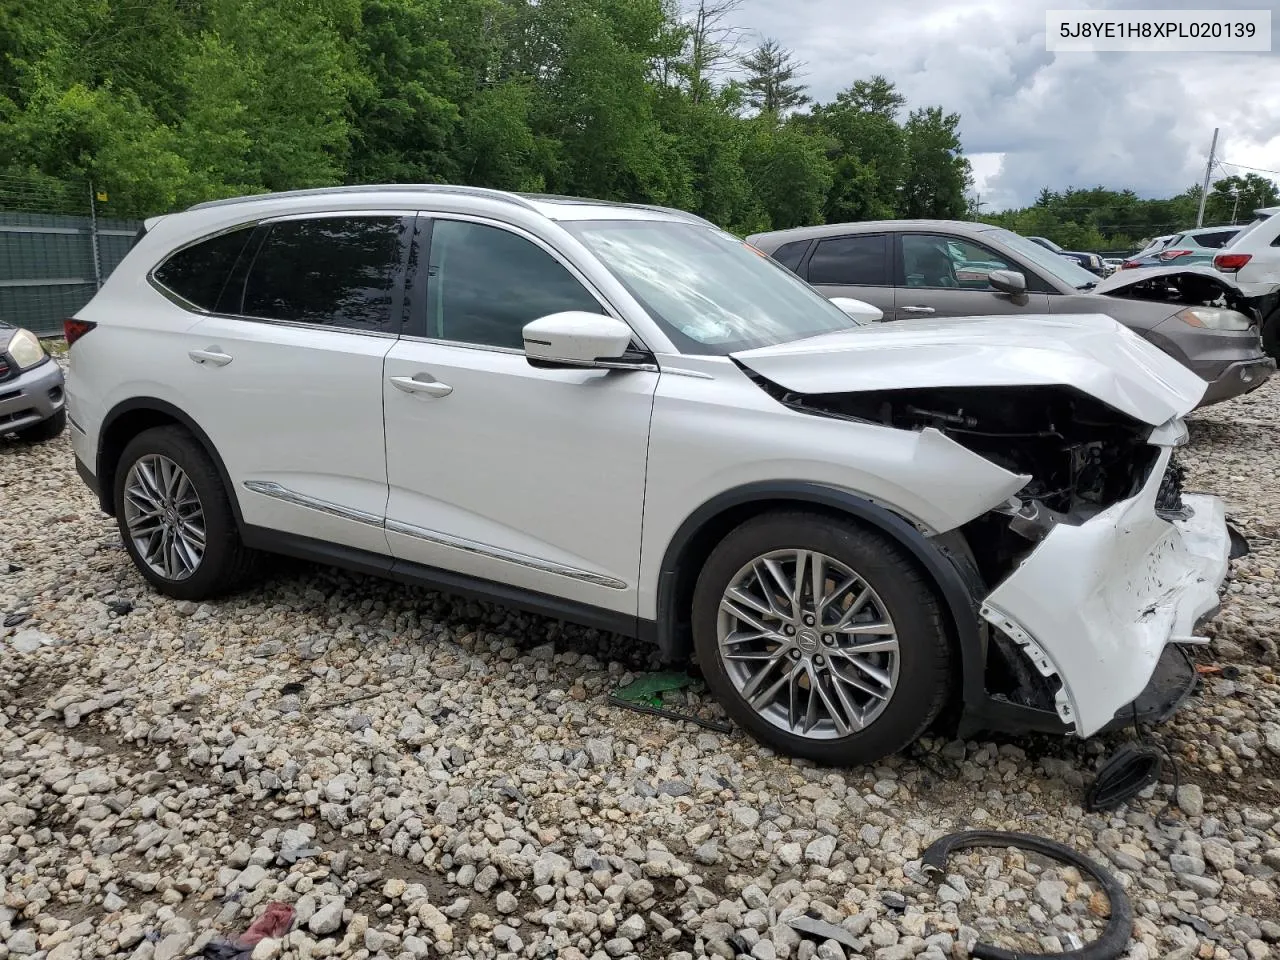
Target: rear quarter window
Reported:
[(198, 273), (790, 254)]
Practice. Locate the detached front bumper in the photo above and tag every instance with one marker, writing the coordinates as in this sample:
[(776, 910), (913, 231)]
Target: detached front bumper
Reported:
[(31, 397), (1095, 605)]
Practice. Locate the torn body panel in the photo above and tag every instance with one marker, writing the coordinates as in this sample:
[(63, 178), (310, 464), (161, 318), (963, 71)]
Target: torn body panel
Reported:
[(1095, 604), (1191, 286)]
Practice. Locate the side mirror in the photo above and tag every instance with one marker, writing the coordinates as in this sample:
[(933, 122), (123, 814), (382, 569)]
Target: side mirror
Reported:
[(1008, 281), (858, 310), (575, 339)]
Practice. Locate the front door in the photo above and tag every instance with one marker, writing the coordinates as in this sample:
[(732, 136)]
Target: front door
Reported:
[(499, 470), (946, 276)]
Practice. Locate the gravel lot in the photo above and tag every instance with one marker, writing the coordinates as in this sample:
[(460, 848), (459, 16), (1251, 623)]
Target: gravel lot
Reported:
[(422, 776)]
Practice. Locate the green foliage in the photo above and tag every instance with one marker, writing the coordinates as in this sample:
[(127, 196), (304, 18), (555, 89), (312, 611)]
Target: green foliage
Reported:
[(170, 102)]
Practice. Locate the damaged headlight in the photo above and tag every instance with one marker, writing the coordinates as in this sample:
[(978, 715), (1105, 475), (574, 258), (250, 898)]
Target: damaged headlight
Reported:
[(1215, 318)]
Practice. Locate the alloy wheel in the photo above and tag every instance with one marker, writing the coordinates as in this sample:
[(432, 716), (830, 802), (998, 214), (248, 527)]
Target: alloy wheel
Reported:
[(164, 517), (808, 644)]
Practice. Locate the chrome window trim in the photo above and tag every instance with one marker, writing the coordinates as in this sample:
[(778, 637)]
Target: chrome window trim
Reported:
[(276, 491)]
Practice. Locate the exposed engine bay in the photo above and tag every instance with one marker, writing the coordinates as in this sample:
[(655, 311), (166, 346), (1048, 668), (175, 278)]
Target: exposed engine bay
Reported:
[(1192, 288)]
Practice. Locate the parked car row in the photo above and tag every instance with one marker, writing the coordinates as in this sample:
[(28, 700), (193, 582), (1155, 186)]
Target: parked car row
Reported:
[(1089, 261), (623, 415)]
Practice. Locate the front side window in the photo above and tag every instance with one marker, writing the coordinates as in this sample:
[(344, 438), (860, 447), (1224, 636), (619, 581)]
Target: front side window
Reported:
[(329, 271), (851, 261), (930, 260), (484, 284), (710, 292), (198, 272)]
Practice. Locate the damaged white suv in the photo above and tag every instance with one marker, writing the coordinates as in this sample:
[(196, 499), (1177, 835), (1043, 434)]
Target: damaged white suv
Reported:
[(623, 416)]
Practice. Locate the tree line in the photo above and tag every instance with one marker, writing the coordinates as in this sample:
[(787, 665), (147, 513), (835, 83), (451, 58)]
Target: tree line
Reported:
[(1118, 220), (163, 103)]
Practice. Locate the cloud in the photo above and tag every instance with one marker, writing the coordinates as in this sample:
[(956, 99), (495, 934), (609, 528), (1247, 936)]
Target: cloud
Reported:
[(1037, 119)]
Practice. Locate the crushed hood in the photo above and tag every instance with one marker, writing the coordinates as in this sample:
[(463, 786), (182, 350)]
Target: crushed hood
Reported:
[(1195, 273), (1091, 353)]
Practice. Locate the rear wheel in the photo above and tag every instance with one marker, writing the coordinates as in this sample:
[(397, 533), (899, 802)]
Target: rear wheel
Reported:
[(1271, 334), (821, 638), (175, 517)]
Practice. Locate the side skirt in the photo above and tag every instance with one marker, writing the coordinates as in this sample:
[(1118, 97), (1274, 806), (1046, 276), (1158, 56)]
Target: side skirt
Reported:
[(446, 581)]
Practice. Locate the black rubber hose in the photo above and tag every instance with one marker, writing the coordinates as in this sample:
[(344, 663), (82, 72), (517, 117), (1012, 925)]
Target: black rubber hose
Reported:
[(1115, 937)]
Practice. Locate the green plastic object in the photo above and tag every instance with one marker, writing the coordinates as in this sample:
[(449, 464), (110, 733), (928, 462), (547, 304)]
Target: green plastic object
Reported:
[(650, 688)]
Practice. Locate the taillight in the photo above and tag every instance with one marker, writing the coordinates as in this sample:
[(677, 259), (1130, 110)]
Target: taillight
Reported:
[(1130, 265), (1167, 255), (74, 329), (1231, 261)]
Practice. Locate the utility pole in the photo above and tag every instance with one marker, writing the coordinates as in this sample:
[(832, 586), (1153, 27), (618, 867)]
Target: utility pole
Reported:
[(1235, 204), (1208, 171)]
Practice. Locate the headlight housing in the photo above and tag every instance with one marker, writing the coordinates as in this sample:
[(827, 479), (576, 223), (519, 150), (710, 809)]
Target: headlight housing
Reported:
[(1214, 318), (26, 349)]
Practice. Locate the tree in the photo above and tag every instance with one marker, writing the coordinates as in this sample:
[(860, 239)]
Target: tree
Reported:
[(1234, 198), (771, 72), (788, 172), (867, 150), (938, 175), (712, 42)]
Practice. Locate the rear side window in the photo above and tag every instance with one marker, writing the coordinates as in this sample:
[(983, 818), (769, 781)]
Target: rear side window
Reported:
[(790, 254), (328, 271), (1216, 240), (853, 261), (198, 273)]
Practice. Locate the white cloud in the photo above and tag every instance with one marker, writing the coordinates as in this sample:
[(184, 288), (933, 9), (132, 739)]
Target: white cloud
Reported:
[(1035, 119)]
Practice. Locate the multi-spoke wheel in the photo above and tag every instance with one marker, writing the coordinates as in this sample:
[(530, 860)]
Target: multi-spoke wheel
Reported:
[(821, 638), (163, 515), (175, 518)]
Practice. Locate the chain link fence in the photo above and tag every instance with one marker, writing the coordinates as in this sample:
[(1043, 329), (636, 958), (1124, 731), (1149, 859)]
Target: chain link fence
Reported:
[(56, 248)]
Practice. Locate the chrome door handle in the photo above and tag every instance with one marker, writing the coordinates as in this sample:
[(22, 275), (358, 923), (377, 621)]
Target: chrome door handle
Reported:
[(422, 383), (917, 309), (212, 356)]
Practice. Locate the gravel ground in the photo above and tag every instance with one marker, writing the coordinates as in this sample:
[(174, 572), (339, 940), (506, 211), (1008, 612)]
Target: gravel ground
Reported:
[(422, 776)]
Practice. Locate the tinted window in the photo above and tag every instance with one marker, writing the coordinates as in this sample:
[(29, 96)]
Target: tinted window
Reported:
[(790, 254), (1216, 240), (331, 271), (862, 260), (197, 273), (485, 283), (938, 261)]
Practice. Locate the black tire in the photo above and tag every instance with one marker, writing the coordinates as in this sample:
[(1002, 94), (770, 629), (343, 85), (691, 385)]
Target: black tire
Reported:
[(925, 655), (44, 430), (226, 563), (1271, 335)]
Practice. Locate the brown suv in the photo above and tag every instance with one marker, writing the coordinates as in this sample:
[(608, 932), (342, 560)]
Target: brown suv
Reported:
[(948, 268)]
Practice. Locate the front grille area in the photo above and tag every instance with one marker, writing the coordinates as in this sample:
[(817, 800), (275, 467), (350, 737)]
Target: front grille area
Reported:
[(5, 370), (1169, 503)]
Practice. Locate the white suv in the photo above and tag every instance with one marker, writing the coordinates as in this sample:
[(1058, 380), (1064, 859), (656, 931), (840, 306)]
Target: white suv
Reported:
[(623, 416), (1252, 259)]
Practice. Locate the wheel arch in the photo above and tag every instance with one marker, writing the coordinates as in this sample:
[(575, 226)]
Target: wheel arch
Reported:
[(944, 563), (131, 417)]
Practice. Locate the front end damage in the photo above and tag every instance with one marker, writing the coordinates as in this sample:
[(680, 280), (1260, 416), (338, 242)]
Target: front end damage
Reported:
[(1093, 576)]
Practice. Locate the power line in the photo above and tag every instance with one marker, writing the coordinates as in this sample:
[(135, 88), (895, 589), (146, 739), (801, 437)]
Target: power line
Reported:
[(1245, 166)]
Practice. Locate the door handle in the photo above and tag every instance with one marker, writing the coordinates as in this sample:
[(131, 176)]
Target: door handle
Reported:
[(212, 356), (422, 383), (917, 309)]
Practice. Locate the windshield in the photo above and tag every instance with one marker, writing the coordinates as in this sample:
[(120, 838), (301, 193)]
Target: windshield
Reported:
[(1067, 271), (710, 292)]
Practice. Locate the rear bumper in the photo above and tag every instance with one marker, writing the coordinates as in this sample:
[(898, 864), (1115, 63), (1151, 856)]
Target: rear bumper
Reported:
[(1094, 606), (1239, 378), (31, 397)]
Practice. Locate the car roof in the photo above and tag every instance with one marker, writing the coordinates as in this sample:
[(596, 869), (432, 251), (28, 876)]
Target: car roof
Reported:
[(551, 206), (1201, 231), (775, 238)]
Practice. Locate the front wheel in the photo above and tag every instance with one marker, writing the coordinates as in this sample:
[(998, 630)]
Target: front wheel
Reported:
[(821, 638), (1271, 335), (175, 517)]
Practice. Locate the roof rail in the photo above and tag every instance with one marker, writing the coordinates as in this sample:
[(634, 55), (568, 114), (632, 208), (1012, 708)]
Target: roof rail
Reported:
[(672, 210), (374, 188)]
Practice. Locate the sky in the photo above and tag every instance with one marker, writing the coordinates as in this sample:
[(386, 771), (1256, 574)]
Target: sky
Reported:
[(1033, 119)]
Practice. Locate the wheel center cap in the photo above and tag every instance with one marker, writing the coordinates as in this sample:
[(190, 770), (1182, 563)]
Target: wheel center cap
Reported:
[(807, 639)]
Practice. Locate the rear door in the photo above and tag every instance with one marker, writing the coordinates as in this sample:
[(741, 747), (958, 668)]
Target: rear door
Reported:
[(941, 275), (286, 376), (858, 266)]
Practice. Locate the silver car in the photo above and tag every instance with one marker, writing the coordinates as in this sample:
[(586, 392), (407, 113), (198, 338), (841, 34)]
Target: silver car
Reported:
[(948, 268), (32, 404)]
